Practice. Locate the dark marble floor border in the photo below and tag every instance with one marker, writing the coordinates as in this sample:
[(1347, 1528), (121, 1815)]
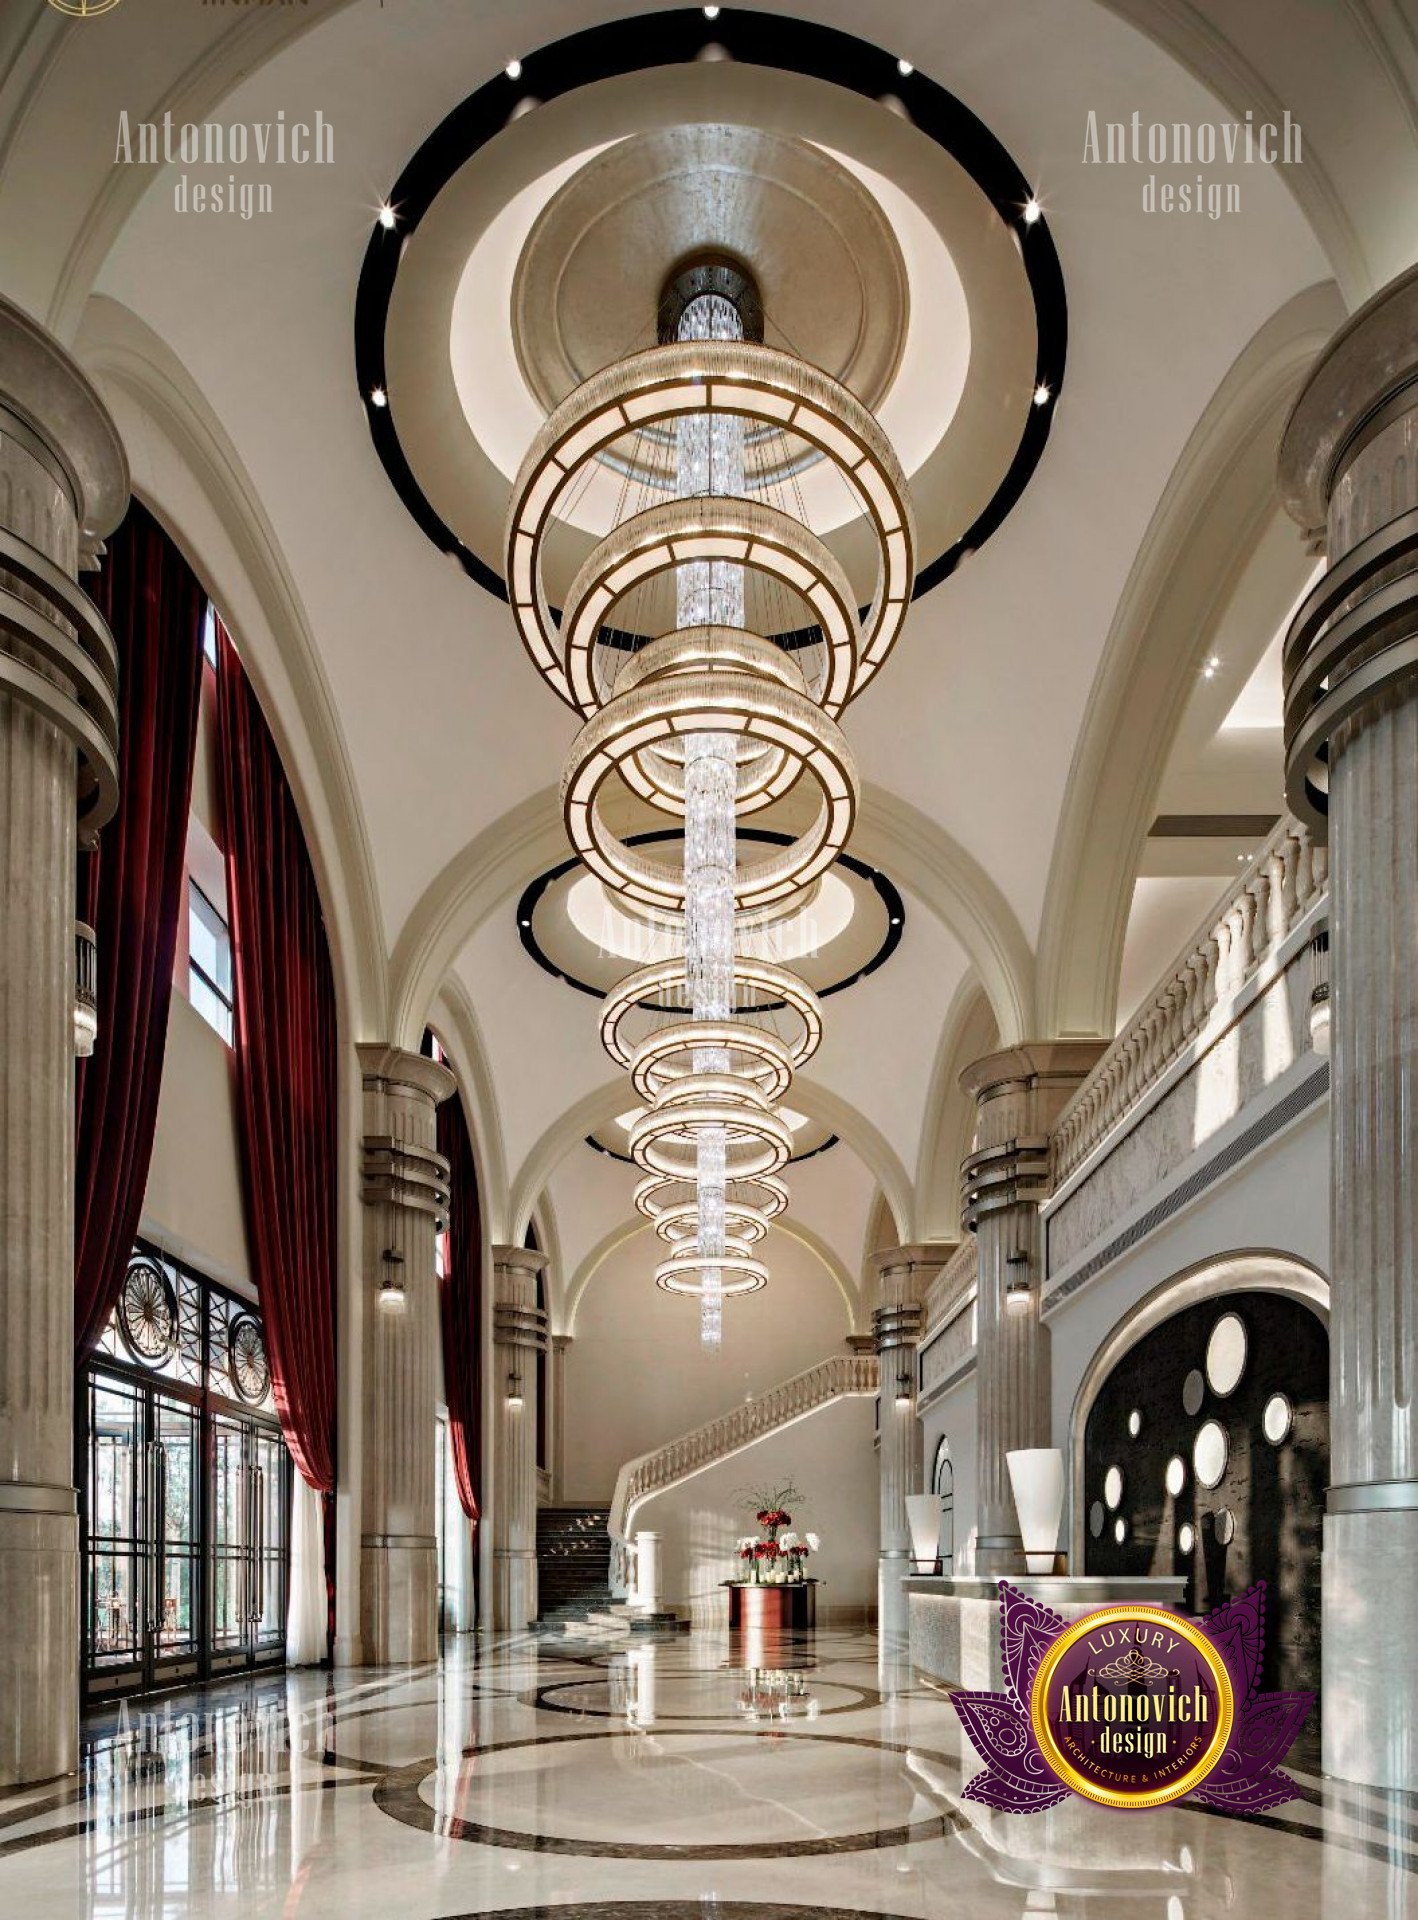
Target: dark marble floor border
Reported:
[(867, 1697), (398, 1796)]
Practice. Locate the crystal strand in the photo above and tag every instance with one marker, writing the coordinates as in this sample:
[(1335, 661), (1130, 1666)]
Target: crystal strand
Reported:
[(710, 459)]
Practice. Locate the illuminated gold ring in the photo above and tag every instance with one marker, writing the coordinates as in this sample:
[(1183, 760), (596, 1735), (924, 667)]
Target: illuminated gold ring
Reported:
[(730, 703), (739, 1273), (762, 775), (677, 533), (653, 1072), (769, 981), (1067, 1640), (757, 1142), (765, 1194), (689, 378), (679, 1224)]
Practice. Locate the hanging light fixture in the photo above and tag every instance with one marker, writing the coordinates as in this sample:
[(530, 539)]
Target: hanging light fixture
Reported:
[(709, 720), (392, 1298)]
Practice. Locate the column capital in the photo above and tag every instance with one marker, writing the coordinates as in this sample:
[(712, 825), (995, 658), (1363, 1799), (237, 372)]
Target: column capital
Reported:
[(922, 1257), (520, 1263), (1030, 1065), (399, 1071), (48, 394)]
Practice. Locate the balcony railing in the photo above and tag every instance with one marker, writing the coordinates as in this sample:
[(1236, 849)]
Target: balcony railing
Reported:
[(1281, 887)]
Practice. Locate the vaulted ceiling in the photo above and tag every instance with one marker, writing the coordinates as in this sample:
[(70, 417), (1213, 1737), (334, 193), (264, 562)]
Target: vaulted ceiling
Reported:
[(1048, 701)]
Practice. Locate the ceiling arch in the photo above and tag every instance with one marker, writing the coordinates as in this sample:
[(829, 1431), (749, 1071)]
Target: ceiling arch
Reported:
[(599, 1107), (1205, 528), (968, 1033), (630, 1229)]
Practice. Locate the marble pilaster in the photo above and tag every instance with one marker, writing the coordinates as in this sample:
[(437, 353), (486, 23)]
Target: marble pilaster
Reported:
[(1019, 1093), (519, 1335), (405, 1193), (1349, 475), (63, 485)]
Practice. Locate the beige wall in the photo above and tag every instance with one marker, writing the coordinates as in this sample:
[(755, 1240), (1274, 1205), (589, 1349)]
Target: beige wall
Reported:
[(193, 1205), (831, 1458), (636, 1375)]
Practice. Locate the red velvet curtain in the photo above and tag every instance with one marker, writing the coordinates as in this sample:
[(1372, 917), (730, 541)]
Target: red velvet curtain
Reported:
[(287, 1069), (460, 1300), (131, 892)]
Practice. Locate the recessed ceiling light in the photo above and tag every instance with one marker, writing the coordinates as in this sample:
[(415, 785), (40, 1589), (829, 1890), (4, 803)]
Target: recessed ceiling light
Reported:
[(895, 919), (1043, 393), (513, 69), (711, 13), (1032, 211), (904, 68), (387, 215), (378, 397)]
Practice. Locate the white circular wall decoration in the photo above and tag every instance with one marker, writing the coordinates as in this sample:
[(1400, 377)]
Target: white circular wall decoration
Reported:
[(1113, 1488), (1176, 1475), (1225, 1526), (1120, 1529), (1226, 1353), (1277, 1419), (1134, 1423), (1095, 1519), (1209, 1453), (1193, 1391), (1186, 1537)]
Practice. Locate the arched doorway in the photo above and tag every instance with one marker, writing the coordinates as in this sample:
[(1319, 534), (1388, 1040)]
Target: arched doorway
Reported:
[(1206, 1453), (943, 1485)]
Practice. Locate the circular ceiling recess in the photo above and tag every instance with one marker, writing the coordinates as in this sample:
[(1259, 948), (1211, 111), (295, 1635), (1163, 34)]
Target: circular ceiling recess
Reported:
[(525, 247), (840, 930)]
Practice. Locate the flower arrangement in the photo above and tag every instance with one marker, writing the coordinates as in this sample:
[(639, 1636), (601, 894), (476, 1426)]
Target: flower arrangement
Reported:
[(778, 1554)]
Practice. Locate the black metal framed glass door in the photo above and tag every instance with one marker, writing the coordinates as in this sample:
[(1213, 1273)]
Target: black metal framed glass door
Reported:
[(143, 1609), (185, 1502)]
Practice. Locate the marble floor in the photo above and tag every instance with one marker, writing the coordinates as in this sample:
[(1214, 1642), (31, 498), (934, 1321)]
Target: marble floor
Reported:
[(693, 1778)]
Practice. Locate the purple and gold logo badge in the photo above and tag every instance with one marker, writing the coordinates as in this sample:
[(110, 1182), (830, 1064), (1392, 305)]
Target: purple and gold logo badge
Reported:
[(1131, 1706)]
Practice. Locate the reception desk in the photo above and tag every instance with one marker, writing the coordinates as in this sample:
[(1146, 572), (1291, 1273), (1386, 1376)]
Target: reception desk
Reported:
[(954, 1624), (789, 1608)]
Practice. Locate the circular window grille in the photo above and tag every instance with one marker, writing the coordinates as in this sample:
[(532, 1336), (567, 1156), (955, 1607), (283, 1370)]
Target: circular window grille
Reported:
[(147, 1313), (247, 1367)]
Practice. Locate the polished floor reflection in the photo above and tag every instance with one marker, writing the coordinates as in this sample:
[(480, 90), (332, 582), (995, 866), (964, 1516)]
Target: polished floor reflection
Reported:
[(694, 1778)]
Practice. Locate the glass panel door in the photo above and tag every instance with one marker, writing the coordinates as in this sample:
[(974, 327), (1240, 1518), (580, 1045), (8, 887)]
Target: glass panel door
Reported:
[(231, 1540), (176, 1480), (272, 1547), (116, 1560)]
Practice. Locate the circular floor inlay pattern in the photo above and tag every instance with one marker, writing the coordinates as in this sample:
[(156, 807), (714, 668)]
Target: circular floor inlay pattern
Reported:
[(690, 1696), (632, 1797), (682, 1910)]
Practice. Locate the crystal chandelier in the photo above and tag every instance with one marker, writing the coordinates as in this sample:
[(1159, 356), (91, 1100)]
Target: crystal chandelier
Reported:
[(720, 714)]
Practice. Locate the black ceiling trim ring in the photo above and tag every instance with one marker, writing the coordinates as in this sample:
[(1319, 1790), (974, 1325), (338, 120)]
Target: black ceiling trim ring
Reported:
[(678, 38), (886, 892)]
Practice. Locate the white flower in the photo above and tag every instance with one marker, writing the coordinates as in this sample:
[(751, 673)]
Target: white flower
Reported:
[(746, 1542), (814, 1544), (787, 1540)]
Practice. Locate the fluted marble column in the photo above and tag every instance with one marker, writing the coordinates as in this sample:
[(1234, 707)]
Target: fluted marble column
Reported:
[(1019, 1093), (63, 485), (405, 1191), (1349, 475), (897, 1281), (519, 1334)]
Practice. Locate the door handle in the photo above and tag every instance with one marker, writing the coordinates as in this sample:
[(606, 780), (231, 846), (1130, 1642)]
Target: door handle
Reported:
[(160, 1510), (260, 1486)]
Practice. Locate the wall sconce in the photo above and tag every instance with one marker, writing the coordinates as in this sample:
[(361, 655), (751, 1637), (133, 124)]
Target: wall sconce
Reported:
[(1319, 993), (903, 1389), (514, 1389), (391, 1287), (1018, 1293)]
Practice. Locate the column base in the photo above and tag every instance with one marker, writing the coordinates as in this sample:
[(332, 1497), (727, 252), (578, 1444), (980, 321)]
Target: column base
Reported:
[(893, 1610), (399, 1600), (1369, 1647), (514, 1588), (39, 1638)]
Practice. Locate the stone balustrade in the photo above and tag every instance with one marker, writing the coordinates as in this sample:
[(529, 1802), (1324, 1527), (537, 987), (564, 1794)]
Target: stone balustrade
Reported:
[(839, 1375), (1280, 888)]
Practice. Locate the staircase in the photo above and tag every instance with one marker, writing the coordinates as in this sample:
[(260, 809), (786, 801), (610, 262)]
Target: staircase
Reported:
[(573, 1562), (743, 1426)]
